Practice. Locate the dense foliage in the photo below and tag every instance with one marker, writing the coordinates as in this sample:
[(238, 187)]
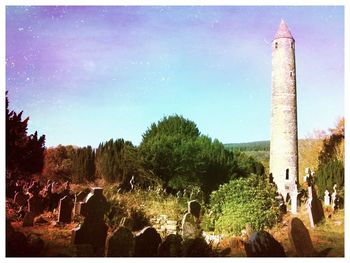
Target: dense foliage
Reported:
[(24, 153), (116, 161), (83, 165), (175, 151), (329, 174), (330, 170), (58, 162), (244, 201)]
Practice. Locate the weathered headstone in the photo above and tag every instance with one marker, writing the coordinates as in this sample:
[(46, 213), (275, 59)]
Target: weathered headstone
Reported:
[(300, 238), (327, 198), (171, 246), (28, 219), (80, 197), (190, 223), (93, 230), (178, 194), (121, 243), (65, 210), (147, 242), (335, 199), (262, 244), (314, 207), (35, 205)]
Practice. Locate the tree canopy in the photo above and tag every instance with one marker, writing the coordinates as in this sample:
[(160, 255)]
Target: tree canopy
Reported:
[(174, 150)]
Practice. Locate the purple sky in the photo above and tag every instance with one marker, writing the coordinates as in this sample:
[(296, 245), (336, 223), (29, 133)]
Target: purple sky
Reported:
[(88, 74)]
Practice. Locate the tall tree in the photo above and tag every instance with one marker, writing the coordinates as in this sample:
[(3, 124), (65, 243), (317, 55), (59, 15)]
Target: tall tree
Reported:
[(24, 153), (175, 151), (83, 165)]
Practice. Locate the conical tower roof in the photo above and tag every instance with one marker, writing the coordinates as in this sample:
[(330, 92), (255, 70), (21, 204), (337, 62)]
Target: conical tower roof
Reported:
[(283, 31)]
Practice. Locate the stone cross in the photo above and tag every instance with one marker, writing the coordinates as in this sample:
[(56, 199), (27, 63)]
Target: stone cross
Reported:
[(65, 210), (93, 230), (327, 198)]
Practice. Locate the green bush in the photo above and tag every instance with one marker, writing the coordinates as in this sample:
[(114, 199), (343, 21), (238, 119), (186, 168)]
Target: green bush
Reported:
[(243, 201)]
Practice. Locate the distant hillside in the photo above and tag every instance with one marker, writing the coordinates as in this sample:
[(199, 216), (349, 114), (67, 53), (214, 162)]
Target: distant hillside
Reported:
[(309, 150), (249, 146)]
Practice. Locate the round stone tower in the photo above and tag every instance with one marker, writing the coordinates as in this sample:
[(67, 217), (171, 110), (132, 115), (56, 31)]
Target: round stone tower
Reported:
[(284, 130)]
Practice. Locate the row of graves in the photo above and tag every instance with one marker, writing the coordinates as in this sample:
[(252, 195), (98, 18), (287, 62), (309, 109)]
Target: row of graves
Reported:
[(91, 237)]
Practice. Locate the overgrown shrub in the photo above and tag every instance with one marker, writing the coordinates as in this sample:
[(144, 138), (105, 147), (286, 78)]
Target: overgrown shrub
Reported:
[(244, 201)]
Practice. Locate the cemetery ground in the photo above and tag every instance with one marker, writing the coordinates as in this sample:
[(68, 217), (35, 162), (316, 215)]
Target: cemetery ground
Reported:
[(56, 237)]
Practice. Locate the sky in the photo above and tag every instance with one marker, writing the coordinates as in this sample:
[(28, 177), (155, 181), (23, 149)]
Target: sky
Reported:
[(85, 75)]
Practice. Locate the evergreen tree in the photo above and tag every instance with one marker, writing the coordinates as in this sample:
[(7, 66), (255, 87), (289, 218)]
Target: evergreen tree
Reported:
[(24, 153), (83, 165)]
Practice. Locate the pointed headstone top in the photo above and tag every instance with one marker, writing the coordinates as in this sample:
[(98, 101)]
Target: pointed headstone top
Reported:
[(283, 31)]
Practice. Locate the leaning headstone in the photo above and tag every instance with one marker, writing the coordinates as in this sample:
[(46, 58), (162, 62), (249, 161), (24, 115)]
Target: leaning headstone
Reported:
[(28, 219), (262, 244), (314, 207), (65, 210), (21, 198), (121, 243), (147, 242), (93, 230), (171, 246), (327, 198), (35, 205), (300, 238), (190, 223)]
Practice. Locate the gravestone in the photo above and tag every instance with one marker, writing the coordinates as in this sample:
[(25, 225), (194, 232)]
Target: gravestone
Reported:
[(314, 207), (21, 198), (262, 244), (121, 243), (132, 182), (35, 205), (147, 242), (178, 194), (65, 210), (171, 246), (335, 199), (80, 197), (190, 223), (327, 198), (300, 238), (93, 230), (28, 219)]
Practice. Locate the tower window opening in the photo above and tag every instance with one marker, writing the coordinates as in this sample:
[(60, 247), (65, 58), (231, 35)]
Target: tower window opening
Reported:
[(287, 174), (292, 44), (276, 44), (291, 74)]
